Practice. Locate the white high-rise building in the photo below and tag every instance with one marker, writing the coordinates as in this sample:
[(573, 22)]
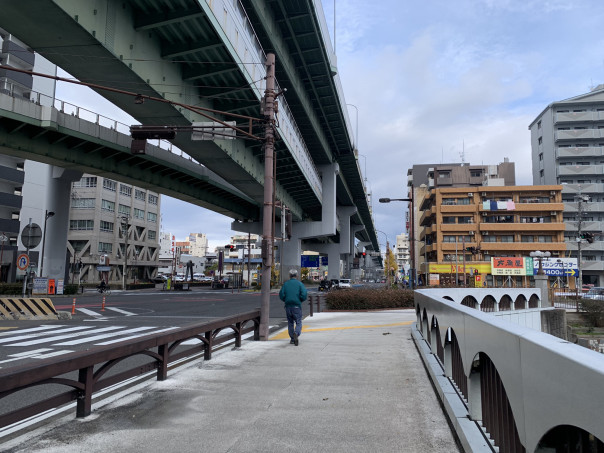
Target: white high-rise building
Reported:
[(403, 256), (199, 244), (567, 141)]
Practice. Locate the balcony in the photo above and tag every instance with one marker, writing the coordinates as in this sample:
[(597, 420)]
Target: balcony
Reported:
[(538, 207), (588, 208), (458, 208), (571, 117), (585, 226), (596, 246), (585, 189), (427, 213), (577, 134), (580, 170), (521, 227), (585, 151), (522, 246), (10, 200), (458, 227)]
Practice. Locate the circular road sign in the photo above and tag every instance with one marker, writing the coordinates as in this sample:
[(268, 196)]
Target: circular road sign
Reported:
[(22, 261), (31, 236)]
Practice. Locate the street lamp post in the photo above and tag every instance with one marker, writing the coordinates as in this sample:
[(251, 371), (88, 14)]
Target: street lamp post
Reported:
[(386, 255), (125, 265), (411, 233), (47, 215), (540, 255)]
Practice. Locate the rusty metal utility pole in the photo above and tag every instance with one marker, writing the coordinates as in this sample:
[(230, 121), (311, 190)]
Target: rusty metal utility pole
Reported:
[(267, 213)]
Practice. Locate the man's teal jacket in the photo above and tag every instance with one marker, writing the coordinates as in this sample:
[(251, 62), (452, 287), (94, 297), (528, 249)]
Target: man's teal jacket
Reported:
[(293, 292)]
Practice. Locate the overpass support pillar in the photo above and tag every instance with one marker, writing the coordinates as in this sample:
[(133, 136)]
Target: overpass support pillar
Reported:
[(346, 236), (290, 256)]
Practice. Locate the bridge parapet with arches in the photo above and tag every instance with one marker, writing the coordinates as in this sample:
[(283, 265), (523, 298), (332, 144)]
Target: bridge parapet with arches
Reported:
[(524, 389)]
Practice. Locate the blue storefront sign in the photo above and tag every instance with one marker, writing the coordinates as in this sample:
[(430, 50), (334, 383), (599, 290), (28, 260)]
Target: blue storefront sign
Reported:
[(558, 267)]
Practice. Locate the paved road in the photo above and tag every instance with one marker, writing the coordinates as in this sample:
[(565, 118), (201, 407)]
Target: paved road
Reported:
[(126, 315)]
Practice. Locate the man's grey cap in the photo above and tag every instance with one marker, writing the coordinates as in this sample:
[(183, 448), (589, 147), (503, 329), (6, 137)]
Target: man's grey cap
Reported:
[(293, 272)]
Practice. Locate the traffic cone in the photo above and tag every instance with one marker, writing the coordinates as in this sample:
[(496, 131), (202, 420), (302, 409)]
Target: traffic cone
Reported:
[(73, 306), (103, 305)]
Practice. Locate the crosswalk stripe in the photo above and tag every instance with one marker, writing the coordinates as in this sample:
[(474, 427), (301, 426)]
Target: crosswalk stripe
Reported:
[(89, 312), (61, 337), (100, 337), (124, 312), (34, 329), (40, 334), (133, 336), (24, 355)]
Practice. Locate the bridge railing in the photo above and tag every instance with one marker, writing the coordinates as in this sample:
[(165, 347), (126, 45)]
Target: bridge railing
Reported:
[(88, 372), (522, 387)]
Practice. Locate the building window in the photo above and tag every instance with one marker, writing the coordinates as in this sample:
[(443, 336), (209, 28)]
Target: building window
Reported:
[(107, 227), (86, 181), (139, 214), (506, 238), (544, 239), (78, 225), (110, 184), (465, 219), (539, 124), (449, 238), (489, 238), (105, 247), (151, 234), (153, 199), (475, 173), (526, 238), (139, 194), (107, 205), (540, 140), (541, 173), (151, 217), (125, 190), (448, 219), (83, 203), (444, 174), (123, 210), (540, 156)]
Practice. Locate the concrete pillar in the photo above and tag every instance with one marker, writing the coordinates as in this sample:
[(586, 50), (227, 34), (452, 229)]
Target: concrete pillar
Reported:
[(291, 252), (541, 282), (346, 236)]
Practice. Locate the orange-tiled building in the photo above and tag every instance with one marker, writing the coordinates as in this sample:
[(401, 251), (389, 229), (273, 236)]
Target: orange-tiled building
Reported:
[(463, 228)]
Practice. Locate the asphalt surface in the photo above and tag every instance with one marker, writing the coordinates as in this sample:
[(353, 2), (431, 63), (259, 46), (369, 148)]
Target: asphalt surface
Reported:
[(355, 383)]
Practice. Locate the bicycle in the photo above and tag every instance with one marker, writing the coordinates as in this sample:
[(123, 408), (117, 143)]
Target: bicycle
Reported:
[(106, 290)]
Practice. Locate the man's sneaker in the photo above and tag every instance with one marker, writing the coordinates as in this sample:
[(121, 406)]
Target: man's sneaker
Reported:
[(291, 341), (295, 339)]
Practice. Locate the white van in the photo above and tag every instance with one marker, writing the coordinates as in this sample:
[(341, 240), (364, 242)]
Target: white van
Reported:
[(344, 283)]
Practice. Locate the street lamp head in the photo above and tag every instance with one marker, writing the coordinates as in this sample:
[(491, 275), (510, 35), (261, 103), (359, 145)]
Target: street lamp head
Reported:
[(49, 214), (384, 200)]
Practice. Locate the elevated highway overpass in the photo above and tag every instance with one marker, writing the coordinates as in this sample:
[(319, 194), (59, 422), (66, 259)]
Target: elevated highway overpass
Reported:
[(211, 54)]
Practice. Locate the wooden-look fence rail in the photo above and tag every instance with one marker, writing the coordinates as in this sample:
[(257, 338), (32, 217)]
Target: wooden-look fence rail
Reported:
[(161, 348), (315, 300)]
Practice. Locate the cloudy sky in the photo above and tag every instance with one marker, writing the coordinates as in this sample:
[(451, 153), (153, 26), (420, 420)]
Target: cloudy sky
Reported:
[(433, 78)]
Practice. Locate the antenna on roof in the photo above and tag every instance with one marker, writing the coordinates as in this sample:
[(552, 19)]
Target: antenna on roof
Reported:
[(463, 153)]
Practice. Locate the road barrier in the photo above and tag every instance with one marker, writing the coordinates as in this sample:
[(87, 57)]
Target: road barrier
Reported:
[(27, 308)]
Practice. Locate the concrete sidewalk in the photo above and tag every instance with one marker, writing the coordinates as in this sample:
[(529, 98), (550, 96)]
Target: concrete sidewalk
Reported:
[(354, 384)]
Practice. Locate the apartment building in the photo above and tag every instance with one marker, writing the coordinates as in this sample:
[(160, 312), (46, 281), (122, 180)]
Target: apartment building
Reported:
[(111, 223), (464, 229), (567, 142), (421, 179), (402, 252)]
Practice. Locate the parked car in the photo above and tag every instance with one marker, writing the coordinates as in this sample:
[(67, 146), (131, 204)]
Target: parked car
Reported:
[(324, 285), (344, 283), (596, 293)]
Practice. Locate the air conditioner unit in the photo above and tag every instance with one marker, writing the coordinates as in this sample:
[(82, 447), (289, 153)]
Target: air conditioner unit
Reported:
[(484, 214), (485, 233), (484, 194), (470, 194), (553, 213), (553, 192), (472, 233)]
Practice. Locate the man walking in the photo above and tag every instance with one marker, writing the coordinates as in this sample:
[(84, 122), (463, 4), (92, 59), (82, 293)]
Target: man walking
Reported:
[(293, 293)]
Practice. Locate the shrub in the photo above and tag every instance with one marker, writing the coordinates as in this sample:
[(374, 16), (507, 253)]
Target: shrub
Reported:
[(369, 299), (594, 311)]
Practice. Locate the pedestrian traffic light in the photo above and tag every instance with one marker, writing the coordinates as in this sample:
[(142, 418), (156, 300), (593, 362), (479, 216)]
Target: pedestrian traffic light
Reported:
[(229, 247)]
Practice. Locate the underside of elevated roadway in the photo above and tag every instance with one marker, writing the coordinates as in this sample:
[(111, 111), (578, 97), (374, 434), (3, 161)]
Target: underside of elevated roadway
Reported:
[(177, 50)]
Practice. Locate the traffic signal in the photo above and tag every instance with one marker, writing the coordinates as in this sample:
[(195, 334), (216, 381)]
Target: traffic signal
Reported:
[(229, 247), (288, 224), (473, 250), (589, 237), (364, 254)]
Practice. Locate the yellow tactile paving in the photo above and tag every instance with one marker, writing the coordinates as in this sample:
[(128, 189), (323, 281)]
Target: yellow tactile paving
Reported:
[(284, 335)]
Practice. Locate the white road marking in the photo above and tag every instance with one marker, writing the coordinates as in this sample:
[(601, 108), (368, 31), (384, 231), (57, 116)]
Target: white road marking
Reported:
[(34, 329), (124, 312), (90, 312), (39, 334), (61, 337), (134, 336), (100, 337)]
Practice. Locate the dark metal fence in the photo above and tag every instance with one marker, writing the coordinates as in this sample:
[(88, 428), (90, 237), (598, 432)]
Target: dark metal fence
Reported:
[(93, 366), (315, 301)]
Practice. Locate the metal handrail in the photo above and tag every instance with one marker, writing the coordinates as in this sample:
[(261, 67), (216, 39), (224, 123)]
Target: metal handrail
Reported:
[(162, 349)]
